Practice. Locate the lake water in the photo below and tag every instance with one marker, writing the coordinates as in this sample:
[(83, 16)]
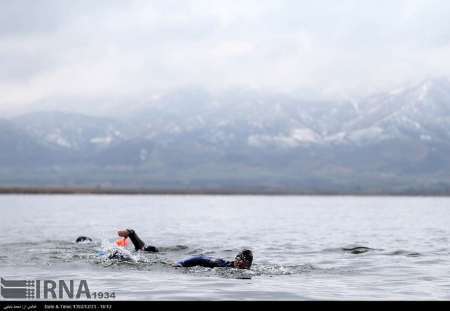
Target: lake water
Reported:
[(302, 245)]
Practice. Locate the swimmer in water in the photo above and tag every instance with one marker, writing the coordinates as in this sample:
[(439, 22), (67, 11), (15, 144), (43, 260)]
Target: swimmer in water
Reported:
[(243, 260), (137, 242), (83, 239), (119, 253)]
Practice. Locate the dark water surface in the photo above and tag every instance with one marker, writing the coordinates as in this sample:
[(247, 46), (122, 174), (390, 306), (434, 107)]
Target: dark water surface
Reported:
[(305, 247)]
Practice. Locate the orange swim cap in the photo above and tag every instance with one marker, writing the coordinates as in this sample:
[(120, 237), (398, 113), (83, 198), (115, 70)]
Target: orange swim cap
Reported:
[(122, 242)]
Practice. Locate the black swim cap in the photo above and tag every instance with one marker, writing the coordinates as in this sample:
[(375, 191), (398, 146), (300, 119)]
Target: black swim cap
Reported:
[(245, 255), (83, 239)]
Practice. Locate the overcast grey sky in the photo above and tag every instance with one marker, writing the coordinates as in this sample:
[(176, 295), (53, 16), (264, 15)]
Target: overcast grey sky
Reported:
[(109, 49)]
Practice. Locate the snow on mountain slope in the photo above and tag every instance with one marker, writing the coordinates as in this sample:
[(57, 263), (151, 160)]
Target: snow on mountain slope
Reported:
[(72, 131), (418, 112), (247, 122)]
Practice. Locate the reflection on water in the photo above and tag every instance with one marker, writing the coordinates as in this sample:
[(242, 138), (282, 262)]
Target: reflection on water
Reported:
[(304, 247)]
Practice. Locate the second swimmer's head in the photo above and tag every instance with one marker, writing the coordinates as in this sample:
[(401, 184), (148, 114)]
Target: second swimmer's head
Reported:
[(83, 239), (244, 259)]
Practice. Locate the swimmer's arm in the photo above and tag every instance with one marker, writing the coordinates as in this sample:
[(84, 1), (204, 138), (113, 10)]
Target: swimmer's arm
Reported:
[(130, 233), (137, 242)]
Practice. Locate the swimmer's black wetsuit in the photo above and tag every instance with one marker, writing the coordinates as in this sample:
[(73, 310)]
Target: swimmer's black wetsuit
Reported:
[(139, 244), (205, 261)]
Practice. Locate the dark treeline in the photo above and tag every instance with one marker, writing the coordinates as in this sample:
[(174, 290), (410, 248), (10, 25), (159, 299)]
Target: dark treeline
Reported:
[(241, 191)]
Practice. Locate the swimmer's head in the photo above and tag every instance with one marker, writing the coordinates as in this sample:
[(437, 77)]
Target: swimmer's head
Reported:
[(244, 259), (123, 233), (82, 239)]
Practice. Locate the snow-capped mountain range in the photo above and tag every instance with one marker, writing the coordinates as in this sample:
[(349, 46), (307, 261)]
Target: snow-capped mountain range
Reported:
[(241, 138)]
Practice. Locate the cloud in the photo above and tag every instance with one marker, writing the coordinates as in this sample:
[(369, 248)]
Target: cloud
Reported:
[(107, 49)]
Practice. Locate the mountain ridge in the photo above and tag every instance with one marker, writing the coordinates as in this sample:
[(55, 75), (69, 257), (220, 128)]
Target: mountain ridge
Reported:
[(245, 139)]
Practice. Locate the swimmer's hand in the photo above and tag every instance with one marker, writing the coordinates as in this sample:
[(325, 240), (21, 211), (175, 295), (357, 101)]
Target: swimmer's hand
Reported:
[(123, 233)]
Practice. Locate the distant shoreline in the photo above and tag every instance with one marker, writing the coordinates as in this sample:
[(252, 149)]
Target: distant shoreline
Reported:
[(122, 191)]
